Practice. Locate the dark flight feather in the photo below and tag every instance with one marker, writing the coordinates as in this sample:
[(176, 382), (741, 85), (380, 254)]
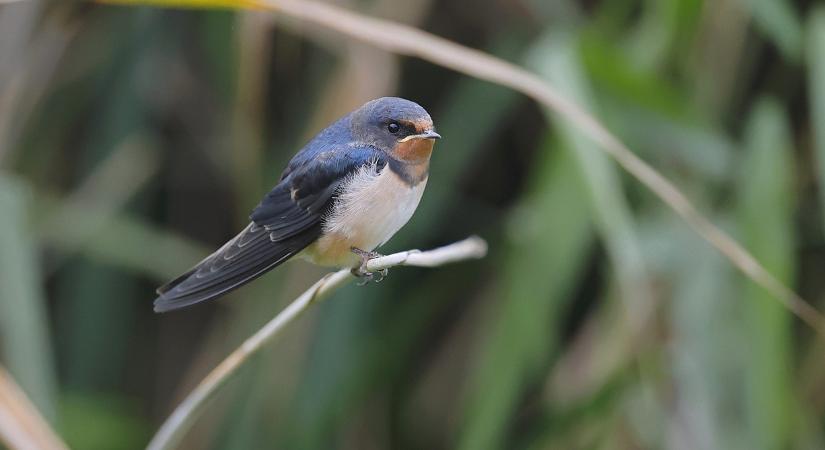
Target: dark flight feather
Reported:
[(287, 220)]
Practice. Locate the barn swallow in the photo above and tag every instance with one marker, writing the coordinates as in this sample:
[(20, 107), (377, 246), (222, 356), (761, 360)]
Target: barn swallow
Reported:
[(344, 194)]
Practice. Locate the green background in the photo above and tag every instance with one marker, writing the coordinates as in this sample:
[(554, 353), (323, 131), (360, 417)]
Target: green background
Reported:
[(134, 140)]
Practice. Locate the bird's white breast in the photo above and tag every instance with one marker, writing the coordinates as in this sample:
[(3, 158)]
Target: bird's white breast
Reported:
[(371, 207)]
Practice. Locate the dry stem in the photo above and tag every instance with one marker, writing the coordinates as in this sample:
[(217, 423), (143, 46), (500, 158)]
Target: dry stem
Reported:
[(21, 425)]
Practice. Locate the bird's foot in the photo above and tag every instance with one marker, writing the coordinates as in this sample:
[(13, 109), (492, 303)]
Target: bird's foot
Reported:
[(362, 272)]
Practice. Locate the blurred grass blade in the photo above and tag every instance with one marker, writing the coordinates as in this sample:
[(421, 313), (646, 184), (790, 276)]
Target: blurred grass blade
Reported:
[(114, 181), (26, 346), (21, 425), (538, 276), (703, 322), (126, 241), (704, 373), (660, 30), (555, 57), (816, 80), (778, 20), (766, 208)]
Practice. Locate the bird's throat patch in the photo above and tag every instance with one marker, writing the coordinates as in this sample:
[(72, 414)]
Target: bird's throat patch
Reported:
[(412, 160), (414, 151)]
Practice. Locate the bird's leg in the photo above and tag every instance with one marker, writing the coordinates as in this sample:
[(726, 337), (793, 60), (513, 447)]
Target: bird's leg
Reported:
[(362, 272)]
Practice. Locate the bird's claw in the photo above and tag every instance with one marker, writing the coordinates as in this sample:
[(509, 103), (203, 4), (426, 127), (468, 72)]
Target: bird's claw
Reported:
[(365, 277), (382, 274), (362, 272)]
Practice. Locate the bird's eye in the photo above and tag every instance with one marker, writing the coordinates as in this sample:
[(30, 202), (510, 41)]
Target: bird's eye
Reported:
[(393, 127)]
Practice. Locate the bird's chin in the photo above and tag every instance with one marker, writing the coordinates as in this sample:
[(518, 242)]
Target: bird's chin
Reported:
[(414, 151)]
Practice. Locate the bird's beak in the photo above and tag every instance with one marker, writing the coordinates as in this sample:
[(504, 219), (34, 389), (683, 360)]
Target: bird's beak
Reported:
[(429, 134)]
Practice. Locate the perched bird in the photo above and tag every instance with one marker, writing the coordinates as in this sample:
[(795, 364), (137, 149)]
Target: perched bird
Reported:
[(347, 192)]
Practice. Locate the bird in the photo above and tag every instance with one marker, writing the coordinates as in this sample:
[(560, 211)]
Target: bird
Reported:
[(344, 194)]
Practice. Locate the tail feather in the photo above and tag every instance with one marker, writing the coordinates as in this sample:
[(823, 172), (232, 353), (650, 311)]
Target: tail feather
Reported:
[(249, 255)]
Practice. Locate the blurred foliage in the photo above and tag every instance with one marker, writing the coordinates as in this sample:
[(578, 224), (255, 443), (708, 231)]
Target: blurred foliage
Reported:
[(133, 140)]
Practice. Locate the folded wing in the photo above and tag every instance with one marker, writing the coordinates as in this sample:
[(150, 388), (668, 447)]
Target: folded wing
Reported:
[(286, 221)]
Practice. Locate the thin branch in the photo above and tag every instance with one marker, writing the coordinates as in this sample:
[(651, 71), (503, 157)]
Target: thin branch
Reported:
[(185, 414), (410, 41)]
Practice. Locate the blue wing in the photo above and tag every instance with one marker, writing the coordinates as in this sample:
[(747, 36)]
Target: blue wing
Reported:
[(287, 220)]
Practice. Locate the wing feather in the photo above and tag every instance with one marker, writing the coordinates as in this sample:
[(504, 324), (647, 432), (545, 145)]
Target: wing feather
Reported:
[(287, 220)]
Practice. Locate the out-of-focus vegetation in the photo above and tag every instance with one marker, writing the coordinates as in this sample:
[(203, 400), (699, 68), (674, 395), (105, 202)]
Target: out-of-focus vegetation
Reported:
[(134, 140)]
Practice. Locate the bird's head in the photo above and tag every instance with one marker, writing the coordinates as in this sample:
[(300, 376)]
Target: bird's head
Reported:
[(397, 126)]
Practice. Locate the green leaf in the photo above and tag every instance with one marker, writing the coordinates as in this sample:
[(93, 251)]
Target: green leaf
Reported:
[(779, 21), (766, 209), (125, 241), (26, 348), (706, 368), (555, 57), (550, 233), (816, 81)]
